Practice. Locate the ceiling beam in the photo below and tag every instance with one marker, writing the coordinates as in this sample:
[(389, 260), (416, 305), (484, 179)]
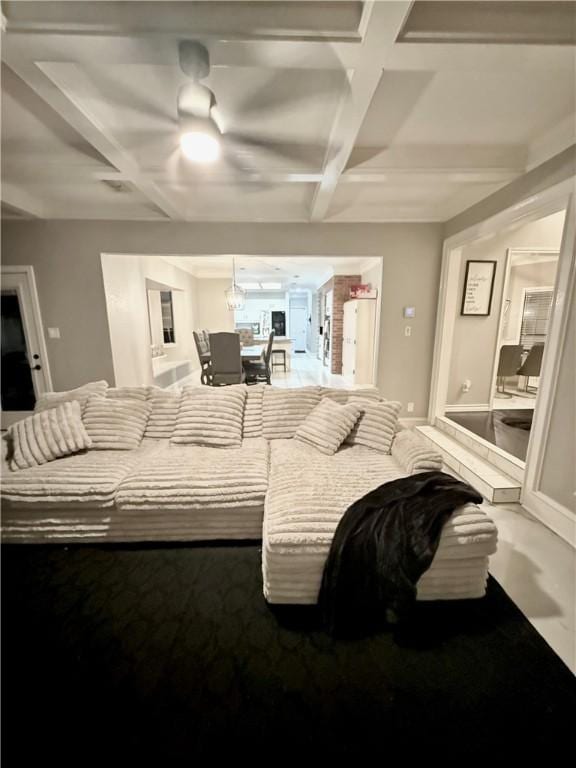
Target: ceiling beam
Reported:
[(382, 27), (86, 125), (22, 201)]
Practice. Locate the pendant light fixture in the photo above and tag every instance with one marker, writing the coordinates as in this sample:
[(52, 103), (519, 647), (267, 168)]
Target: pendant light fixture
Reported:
[(235, 296)]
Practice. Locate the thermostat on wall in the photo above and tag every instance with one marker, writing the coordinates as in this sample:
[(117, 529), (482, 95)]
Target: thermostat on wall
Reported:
[(409, 311)]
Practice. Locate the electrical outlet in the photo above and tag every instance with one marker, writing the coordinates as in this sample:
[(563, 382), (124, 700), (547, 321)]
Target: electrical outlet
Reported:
[(466, 385), (410, 407), (408, 330)]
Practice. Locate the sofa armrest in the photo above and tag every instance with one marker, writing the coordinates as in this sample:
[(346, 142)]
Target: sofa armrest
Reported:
[(412, 453)]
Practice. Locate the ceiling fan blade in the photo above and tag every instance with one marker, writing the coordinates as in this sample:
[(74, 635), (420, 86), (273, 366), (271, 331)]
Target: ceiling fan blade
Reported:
[(275, 95), (120, 95), (241, 172), (302, 154), (194, 100)]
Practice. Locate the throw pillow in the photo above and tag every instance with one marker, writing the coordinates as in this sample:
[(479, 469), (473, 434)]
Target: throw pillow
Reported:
[(376, 426), (165, 404), (80, 394), (327, 426), (115, 424), (48, 435), (210, 416)]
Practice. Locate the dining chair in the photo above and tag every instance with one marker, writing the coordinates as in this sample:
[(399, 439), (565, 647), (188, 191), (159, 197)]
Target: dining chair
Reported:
[(201, 339), (225, 359), (533, 364), (509, 361), (259, 370)]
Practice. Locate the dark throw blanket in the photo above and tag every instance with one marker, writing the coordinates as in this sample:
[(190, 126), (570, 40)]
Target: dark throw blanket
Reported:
[(382, 545)]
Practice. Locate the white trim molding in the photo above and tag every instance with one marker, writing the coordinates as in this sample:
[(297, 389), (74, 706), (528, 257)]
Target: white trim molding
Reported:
[(455, 408), (552, 200), (553, 515)]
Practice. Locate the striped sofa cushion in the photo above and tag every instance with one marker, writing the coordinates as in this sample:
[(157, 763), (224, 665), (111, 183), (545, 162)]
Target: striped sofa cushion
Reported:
[(165, 404), (81, 394), (128, 393), (342, 396), (253, 411), (327, 425), (283, 410), (376, 426), (210, 416), (115, 424), (48, 435)]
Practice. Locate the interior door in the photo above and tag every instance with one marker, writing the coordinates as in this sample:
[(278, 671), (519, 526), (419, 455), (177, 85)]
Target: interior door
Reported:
[(298, 320), (24, 373)]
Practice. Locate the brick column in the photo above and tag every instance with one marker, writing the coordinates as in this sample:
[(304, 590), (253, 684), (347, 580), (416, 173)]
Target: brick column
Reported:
[(341, 293)]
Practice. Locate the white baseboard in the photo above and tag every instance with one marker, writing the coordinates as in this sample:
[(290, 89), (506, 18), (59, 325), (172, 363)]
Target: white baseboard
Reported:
[(554, 516), (467, 407), (413, 421)]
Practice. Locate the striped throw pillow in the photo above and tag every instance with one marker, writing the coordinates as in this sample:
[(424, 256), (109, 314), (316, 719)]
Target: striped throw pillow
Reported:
[(48, 435), (116, 425), (328, 425), (165, 404), (210, 416), (376, 426)]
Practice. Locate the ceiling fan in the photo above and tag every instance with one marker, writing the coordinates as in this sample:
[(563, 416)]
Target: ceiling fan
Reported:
[(202, 135)]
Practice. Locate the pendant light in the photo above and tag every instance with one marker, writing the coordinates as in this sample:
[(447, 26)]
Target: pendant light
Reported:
[(235, 296)]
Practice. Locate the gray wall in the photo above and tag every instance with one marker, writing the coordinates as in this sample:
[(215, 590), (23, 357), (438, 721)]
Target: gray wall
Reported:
[(66, 257)]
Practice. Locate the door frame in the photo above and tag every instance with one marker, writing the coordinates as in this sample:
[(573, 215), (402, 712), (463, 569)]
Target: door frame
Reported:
[(552, 200), (32, 324)]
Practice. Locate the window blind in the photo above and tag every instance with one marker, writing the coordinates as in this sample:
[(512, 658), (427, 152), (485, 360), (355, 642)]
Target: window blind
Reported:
[(535, 317)]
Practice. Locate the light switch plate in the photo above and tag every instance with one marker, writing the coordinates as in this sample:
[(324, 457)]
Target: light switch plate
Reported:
[(409, 311), (53, 333)]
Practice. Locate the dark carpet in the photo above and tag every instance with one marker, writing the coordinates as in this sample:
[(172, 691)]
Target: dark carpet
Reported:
[(171, 655)]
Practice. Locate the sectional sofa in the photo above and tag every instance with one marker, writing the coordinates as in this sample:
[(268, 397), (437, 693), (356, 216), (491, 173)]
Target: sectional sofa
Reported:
[(180, 484)]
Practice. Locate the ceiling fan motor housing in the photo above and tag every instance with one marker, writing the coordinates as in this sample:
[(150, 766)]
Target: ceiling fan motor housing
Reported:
[(194, 59)]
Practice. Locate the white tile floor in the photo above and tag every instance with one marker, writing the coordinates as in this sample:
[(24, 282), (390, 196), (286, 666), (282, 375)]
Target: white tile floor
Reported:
[(537, 569), (306, 370), (519, 399)]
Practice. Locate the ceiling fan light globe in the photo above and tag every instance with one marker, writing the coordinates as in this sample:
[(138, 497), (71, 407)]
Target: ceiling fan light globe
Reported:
[(200, 147)]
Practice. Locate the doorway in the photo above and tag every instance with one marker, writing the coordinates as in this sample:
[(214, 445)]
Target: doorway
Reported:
[(298, 327), (25, 372)]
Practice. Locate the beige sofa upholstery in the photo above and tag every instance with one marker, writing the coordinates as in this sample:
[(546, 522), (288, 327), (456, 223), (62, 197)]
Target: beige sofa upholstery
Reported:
[(279, 490)]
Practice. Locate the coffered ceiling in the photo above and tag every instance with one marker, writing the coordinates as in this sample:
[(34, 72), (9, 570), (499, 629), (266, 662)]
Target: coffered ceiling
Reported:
[(382, 111)]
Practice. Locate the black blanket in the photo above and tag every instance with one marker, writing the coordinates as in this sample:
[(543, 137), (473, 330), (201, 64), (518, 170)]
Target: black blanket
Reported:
[(382, 545)]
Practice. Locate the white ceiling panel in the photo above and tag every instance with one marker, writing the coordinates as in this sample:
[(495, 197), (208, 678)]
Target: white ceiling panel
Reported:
[(336, 111)]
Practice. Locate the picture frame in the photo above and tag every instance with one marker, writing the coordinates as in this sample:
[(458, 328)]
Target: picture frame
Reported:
[(478, 288)]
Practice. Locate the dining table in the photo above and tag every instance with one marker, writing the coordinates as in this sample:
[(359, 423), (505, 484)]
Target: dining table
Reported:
[(253, 352)]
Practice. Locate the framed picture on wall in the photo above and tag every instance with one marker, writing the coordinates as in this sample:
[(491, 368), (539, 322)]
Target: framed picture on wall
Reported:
[(478, 288)]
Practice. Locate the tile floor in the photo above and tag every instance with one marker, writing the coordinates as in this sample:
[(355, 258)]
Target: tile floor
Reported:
[(306, 370), (537, 569)]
